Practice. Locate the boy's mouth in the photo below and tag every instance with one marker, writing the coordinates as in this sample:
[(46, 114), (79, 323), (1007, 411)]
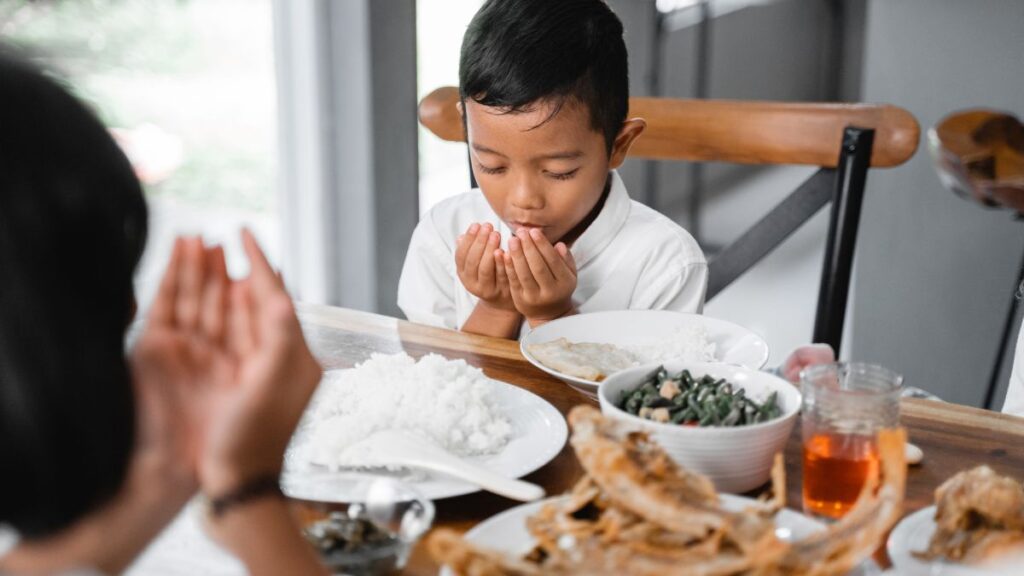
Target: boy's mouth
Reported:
[(515, 226)]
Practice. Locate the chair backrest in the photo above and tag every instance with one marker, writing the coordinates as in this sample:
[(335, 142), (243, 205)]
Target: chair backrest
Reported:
[(843, 140), (740, 132)]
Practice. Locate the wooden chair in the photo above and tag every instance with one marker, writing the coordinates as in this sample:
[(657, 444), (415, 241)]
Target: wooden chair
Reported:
[(843, 140)]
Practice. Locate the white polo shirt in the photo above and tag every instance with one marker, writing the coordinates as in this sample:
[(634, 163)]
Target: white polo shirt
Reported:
[(630, 257)]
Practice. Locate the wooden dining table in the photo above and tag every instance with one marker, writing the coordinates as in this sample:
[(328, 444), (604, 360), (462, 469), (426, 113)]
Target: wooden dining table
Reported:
[(953, 437)]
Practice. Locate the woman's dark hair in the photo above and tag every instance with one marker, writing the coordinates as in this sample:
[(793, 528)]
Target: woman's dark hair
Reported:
[(72, 230), (519, 52)]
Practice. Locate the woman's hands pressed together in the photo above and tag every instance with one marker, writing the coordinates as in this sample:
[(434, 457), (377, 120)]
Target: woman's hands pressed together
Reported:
[(234, 375)]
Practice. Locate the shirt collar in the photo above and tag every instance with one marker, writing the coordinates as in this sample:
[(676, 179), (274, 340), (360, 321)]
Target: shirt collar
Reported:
[(606, 226)]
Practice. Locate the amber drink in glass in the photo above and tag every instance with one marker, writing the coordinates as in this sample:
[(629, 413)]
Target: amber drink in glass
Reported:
[(845, 405)]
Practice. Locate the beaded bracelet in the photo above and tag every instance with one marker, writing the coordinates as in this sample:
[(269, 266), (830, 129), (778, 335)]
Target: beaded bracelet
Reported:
[(259, 487)]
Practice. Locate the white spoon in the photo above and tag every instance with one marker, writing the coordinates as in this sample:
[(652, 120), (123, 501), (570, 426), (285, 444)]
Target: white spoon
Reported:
[(401, 449)]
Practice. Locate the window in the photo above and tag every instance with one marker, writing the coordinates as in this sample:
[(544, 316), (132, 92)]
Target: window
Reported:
[(440, 25), (187, 87)]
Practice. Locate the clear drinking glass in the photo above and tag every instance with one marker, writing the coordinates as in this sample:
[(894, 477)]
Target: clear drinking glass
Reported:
[(844, 407)]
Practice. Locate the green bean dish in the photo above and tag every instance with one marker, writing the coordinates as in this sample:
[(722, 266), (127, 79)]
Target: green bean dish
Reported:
[(688, 401)]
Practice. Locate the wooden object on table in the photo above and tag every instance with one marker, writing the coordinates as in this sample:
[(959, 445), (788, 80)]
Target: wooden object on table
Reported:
[(742, 132), (953, 437), (979, 154)]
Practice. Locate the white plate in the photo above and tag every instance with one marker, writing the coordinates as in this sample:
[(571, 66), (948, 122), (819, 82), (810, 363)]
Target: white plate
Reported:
[(506, 532), (912, 534), (539, 433), (734, 344)]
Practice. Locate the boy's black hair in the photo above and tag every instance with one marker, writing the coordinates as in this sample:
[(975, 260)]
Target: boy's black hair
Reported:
[(519, 52), (72, 230)]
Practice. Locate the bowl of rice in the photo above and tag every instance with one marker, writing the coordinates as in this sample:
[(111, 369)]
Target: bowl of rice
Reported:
[(584, 349)]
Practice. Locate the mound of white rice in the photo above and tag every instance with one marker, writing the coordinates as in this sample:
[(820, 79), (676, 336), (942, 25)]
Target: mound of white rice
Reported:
[(447, 402), (688, 343)]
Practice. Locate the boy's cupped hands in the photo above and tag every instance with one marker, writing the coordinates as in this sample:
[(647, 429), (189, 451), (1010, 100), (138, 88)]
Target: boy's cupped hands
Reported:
[(480, 271), (534, 278)]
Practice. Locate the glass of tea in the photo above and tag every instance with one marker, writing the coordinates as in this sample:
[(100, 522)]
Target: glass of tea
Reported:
[(844, 407)]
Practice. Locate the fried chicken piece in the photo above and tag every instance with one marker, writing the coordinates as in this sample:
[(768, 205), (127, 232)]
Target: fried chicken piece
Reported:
[(997, 500), (979, 515)]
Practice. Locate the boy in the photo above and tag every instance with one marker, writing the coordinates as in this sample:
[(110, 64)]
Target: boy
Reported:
[(544, 97)]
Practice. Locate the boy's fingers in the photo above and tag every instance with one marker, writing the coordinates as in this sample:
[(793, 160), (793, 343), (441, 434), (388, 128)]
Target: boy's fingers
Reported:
[(214, 298), (190, 283), (520, 266), (510, 273), (567, 256), (500, 276), (476, 250), (538, 266), (162, 310), (555, 261), (487, 265)]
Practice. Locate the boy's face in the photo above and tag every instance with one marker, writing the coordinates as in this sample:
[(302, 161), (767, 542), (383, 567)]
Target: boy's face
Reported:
[(536, 174)]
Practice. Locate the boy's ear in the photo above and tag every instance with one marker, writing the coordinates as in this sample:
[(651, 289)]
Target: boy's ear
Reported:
[(631, 130), (462, 111)]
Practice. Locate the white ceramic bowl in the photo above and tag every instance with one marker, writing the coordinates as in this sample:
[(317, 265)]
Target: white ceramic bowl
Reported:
[(736, 459), (734, 344)]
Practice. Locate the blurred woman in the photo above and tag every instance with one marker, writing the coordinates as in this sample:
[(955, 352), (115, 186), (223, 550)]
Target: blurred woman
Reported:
[(99, 448)]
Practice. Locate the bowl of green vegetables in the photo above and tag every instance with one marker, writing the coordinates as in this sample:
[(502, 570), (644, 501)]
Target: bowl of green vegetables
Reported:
[(726, 422)]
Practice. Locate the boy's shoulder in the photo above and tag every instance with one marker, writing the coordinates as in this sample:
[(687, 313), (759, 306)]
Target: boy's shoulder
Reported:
[(653, 229)]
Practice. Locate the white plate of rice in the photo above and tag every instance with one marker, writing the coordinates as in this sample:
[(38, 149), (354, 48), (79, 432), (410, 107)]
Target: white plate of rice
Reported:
[(646, 336), (447, 402)]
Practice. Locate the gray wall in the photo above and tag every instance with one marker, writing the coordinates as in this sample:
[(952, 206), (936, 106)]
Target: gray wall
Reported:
[(778, 50), (935, 273)]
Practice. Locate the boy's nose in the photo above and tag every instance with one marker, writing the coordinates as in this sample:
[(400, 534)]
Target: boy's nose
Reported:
[(526, 196)]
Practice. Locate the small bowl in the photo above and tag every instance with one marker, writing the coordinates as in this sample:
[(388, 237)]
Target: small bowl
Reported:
[(388, 516), (737, 459)]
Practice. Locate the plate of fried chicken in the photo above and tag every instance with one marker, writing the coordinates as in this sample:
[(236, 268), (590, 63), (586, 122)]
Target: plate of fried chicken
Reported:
[(976, 527)]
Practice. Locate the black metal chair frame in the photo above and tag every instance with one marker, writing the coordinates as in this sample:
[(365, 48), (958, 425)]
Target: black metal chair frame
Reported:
[(844, 187)]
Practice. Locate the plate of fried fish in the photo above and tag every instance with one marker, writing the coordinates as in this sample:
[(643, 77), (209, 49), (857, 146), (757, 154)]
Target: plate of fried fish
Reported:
[(636, 512)]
